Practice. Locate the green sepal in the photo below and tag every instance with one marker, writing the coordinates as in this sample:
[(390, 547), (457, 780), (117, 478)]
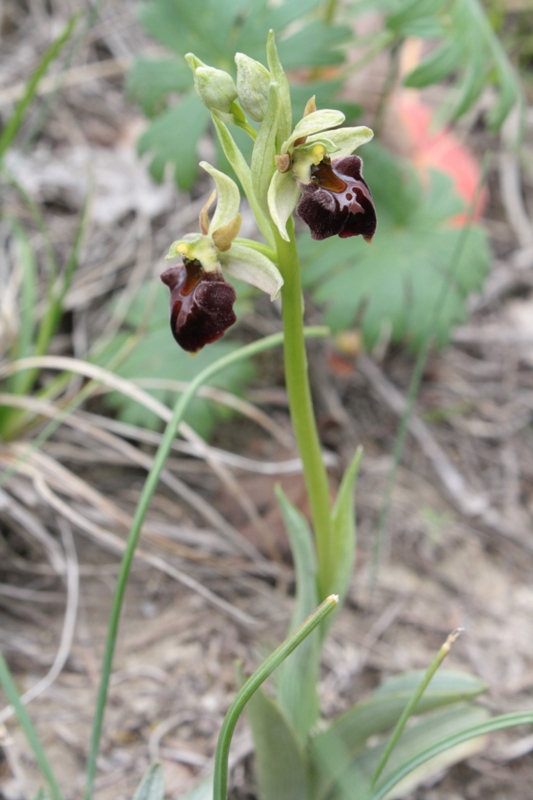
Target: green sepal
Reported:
[(283, 194), (152, 785), (263, 164), (344, 140), (297, 677), (251, 266), (243, 173), (322, 120), (278, 75), (228, 198)]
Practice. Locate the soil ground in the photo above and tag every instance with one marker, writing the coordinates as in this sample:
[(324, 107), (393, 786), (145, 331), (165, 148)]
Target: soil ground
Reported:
[(457, 550)]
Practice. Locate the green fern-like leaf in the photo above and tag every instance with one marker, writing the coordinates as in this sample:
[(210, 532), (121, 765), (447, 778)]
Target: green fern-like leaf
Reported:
[(414, 279)]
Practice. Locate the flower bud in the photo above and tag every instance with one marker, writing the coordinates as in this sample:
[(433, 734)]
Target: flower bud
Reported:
[(214, 87), (253, 81)]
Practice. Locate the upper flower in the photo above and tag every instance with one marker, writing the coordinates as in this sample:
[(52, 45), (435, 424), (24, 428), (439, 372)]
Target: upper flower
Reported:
[(201, 302), (335, 198)]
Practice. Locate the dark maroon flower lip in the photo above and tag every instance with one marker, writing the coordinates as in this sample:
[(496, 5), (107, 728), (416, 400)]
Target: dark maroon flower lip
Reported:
[(201, 304), (337, 201)]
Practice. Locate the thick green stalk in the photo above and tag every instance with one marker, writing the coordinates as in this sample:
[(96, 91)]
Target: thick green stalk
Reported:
[(300, 400)]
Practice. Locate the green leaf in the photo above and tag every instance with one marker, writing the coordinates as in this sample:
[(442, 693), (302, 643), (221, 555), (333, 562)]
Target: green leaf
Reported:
[(423, 734), (416, 276), (297, 677), (202, 791), (34, 742), (280, 761), (12, 125), (174, 136), (151, 81), (462, 735), (314, 45), (156, 355), (334, 750), (152, 786), (416, 18), (341, 547), (476, 60), (437, 66)]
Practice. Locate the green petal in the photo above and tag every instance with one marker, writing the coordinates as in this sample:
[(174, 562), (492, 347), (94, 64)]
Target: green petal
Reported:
[(228, 198), (314, 123), (346, 139), (283, 195), (252, 267)]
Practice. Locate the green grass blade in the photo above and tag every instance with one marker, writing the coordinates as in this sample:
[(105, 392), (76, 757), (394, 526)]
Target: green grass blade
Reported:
[(411, 705), (56, 296), (140, 513), (8, 684), (15, 121)]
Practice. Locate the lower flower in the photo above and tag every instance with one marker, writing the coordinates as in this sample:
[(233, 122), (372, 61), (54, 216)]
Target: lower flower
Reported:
[(201, 304), (337, 200)]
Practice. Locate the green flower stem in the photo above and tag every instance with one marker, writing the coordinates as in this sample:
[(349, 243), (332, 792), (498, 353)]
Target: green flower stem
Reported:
[(300, 401), (411, 705), (142, 507), (220, 780), (12, 695)]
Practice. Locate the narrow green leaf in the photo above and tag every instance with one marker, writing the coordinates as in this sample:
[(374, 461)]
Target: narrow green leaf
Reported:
[(334, 576), (297, 677), (16, 119), (12, 696), (337, 746), (28, 298), (279, 758), (202, 791), (481, 729), (152, 785), (423, 734)]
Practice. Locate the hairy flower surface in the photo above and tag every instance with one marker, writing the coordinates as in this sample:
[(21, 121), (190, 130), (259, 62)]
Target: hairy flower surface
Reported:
[(337, 201), (201, 304)]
